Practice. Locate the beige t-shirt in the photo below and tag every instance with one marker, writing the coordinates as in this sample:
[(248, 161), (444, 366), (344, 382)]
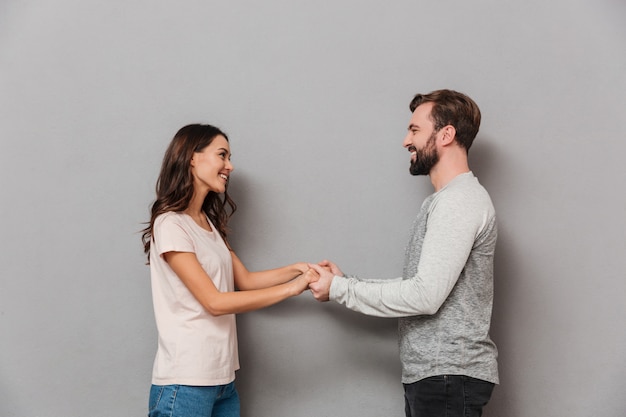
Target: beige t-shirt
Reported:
[(194, 347)]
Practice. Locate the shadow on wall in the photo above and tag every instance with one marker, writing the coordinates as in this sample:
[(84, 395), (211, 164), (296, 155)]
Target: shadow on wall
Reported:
[(482, 157), (323, 328), (490, 168), (326, 348)]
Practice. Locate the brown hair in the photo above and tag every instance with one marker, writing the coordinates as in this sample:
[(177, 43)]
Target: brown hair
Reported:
[(174, 188), (455, 109)]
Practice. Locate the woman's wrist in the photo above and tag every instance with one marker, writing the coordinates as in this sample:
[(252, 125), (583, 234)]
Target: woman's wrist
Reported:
[(294, 286), (300, 267)]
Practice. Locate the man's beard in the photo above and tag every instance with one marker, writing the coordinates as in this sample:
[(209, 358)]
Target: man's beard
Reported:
[(425, 158)]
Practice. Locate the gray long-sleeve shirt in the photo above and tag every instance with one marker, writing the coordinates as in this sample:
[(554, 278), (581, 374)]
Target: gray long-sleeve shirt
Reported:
[(445, 296)]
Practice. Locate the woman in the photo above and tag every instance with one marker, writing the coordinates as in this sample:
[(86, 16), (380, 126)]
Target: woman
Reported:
[(194, 274)]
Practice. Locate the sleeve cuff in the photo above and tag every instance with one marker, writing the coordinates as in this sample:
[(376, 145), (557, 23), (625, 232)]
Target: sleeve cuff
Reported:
[(338, 288)]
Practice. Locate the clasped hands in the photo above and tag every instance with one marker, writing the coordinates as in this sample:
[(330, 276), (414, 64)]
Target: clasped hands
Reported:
[(321, 277)]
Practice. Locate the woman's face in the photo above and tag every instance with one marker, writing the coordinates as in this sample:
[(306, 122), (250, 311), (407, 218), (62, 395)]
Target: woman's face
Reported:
[(211, 166)]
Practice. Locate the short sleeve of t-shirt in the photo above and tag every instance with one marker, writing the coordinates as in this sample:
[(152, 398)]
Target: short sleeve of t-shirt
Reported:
[(170, 235)]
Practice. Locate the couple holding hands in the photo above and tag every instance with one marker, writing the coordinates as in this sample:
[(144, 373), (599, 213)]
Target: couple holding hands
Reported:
[(443, 300)]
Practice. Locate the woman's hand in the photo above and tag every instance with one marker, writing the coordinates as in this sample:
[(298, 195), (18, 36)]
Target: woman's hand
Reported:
[(301, 283)]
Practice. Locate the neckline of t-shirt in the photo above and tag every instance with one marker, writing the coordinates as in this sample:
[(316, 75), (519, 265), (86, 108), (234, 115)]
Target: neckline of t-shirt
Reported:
[(196, 225), (461, 177)]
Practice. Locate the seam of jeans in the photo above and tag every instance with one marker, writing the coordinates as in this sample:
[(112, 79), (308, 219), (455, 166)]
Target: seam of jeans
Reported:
[(463, 381), (174, 393), (446, 392), (153, 405)]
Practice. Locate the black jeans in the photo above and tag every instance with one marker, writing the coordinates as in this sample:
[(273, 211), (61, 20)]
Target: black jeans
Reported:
[(447, 396)]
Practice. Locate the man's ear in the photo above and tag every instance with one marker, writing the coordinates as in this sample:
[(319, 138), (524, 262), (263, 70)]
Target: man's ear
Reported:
[(449, 133)]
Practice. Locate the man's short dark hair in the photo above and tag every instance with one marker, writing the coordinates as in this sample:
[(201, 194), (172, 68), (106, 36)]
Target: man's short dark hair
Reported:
[(455, 109)]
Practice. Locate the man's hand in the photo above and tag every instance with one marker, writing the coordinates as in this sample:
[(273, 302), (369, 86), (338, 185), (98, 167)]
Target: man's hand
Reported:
[(332, 267), (321, 287)]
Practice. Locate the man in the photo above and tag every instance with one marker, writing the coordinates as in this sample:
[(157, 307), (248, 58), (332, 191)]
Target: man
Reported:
[(445, 296)]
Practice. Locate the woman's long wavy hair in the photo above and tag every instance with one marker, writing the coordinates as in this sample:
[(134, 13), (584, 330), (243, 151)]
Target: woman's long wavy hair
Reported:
[(174, 188)]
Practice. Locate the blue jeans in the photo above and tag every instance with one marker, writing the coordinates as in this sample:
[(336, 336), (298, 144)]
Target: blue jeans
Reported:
[(447, 396), (189, 401)]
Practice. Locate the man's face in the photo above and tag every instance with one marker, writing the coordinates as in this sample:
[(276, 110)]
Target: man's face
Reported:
[(421, 141)]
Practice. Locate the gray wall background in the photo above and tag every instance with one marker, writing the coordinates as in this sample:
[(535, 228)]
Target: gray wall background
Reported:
[(314, 96)]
